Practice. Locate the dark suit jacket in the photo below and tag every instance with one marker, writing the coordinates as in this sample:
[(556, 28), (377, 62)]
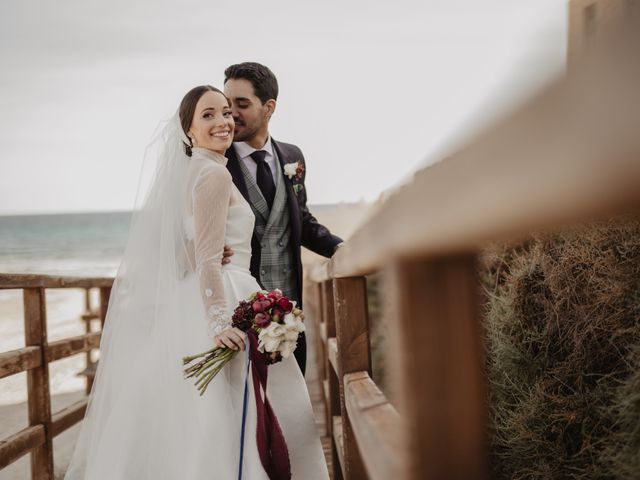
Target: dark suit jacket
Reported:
[(305, 229)]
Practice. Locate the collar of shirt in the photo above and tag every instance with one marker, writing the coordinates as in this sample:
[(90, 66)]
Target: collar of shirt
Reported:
[(244, 151)]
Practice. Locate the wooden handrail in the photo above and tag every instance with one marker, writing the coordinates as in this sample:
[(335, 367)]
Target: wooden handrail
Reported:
[(68, 417), (19, 281), (16, 361), (18, 444), (35, 357), (72, 346), (376, 425), (363, 425)]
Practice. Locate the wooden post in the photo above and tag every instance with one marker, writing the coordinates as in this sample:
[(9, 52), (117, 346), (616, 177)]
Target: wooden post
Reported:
[(438, 341), (321, 324), (105, 293), (39, 399), (87, 329), (87, 300), (354, 355), (333, 402)]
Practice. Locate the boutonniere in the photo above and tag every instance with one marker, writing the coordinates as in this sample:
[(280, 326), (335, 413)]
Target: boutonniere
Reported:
[(294, 170), (297, 187)]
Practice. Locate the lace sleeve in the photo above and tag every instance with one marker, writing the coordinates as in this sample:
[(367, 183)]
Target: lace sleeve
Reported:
[(211, 197)]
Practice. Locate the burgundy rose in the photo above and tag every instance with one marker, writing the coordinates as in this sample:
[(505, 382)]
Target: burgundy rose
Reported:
[(285, 304), (277, 313), (242, 316), (263, 320), (276, 294), (262, 305), (242, 324), (258, 306)]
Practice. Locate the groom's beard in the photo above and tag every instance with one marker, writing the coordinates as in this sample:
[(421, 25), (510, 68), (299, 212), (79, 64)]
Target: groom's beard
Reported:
[(244, 133)]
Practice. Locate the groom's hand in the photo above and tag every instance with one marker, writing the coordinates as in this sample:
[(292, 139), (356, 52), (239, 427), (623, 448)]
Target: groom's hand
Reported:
[(226, 253), (232, 338)]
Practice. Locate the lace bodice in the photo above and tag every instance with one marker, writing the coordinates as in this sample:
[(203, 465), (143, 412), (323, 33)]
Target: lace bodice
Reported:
[(216, 215)]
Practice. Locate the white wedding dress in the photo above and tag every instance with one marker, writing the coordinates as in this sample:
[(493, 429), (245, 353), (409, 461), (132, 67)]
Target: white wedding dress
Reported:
[(145, 421)]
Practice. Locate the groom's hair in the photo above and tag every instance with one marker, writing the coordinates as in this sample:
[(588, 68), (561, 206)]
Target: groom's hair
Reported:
[(263, 80)]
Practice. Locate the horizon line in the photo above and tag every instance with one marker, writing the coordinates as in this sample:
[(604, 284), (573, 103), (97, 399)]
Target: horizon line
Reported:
[(38, 213)]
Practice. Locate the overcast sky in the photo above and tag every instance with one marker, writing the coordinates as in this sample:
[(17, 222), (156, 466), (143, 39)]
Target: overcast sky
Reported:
[(370, 90)]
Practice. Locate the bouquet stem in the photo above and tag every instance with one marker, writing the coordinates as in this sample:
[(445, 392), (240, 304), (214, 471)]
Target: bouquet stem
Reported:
[(190, 358), (210, 364)]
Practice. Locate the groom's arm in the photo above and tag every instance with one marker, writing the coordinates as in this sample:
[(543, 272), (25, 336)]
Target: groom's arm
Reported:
[(315, 236)]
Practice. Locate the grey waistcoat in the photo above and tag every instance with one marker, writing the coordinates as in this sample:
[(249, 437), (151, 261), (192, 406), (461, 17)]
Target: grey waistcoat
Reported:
[(273, 232)]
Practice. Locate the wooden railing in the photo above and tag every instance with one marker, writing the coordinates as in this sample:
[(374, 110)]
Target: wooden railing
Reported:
[(572, 153), (35, 357)]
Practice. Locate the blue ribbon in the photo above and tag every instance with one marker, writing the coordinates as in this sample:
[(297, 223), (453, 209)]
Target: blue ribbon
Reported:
[(245, 403)]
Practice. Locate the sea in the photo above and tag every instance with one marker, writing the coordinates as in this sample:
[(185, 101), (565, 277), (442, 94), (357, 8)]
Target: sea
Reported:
[(86, 244), (78, 244)]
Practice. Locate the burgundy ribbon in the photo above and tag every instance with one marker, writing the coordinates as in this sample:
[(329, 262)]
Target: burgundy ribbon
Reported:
[(272, 446)]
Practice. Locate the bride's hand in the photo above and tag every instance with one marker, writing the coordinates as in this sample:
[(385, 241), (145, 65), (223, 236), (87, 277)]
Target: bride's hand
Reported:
[(232, 338)]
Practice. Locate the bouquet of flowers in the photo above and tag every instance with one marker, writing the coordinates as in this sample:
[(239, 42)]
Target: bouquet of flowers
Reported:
[(270, 316)]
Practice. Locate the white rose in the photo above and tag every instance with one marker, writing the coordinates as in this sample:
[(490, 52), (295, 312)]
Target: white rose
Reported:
[(271, 337), (274, 330), (287, 348), (293, 323), (290, 169), (271, 344), (291, 336), (289, 319), (268, 342)]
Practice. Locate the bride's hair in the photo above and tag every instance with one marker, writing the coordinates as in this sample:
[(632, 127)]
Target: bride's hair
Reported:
[(188, 108)]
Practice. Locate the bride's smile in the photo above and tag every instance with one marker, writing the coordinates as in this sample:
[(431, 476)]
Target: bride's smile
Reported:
[(223, 134)]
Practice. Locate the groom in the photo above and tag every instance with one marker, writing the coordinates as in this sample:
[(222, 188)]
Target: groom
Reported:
[(270, 175)]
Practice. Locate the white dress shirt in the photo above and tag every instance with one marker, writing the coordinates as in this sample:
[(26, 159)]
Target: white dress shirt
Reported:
[(244, 151)]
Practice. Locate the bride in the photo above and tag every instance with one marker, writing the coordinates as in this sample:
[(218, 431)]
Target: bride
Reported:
[(173, 297)]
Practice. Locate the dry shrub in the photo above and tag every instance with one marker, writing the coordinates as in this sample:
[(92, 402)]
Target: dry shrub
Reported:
[(563, 353)]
